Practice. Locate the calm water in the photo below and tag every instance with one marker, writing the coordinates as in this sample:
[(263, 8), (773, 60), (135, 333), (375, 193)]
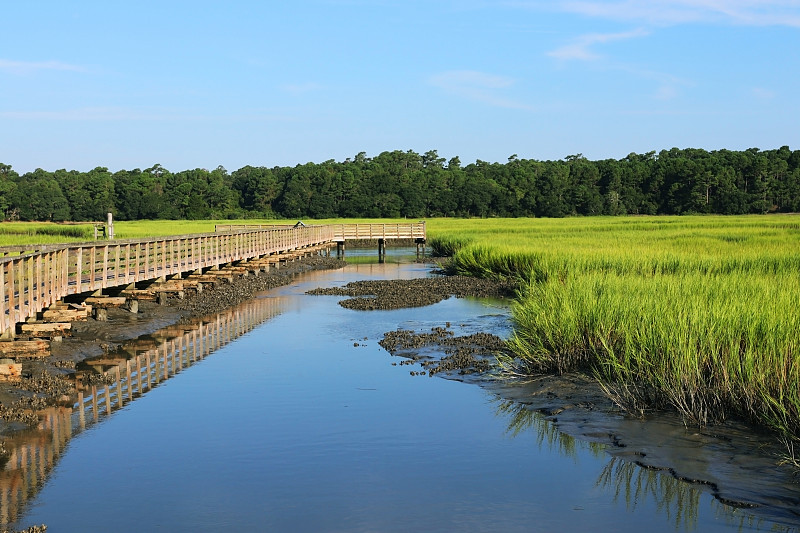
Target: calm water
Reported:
[(303, 424)]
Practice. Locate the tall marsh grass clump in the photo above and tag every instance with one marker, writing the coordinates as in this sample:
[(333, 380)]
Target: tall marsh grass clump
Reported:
[(708, 346), (447, 246), (499, 262)]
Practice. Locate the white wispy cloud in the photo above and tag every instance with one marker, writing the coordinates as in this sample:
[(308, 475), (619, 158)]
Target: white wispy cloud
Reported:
[(582, 47), (478, 86), (669, 86), (671, 12), (27, 67)]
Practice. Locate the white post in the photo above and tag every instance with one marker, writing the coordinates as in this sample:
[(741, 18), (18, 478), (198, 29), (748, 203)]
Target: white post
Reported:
[(110, 227)]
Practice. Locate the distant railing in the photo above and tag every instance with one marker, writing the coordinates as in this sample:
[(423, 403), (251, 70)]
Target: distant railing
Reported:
[(221, 228), (35, 280), (343, 232)]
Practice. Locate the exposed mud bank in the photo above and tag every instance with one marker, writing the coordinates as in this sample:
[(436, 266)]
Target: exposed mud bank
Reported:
[(245, 288), (463, 355), (738, 464), (396, 294)]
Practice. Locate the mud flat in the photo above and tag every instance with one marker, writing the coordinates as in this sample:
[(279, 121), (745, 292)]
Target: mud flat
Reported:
[(396, 294)]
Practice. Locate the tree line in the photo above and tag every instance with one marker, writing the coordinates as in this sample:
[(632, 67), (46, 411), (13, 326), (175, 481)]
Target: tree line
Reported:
[(407, 184)]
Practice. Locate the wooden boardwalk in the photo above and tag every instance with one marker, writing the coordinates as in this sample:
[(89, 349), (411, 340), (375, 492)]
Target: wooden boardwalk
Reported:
[(35, 277), (342, 232)]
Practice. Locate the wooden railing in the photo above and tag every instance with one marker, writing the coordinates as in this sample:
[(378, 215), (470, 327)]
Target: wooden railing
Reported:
[(33, 281), (220, 228), (343, 232)]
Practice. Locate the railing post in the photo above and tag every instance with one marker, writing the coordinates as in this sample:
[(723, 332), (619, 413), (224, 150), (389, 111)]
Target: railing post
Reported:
[(117, 263), (4, 321), (30, 277), (128, 263), (163, 262), (38, 293), (104, 281), (21, 287), (64, 265)]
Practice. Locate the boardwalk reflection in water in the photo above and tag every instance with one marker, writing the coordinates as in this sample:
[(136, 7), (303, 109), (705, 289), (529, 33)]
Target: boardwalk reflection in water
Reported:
[(108, 383)]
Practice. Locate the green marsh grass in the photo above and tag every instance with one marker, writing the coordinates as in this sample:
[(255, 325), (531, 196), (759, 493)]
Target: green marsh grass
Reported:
[(25, 233), (698, 314)]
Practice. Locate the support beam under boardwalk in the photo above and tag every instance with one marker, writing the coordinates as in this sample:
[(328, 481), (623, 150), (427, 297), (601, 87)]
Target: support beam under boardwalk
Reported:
[(50, 329), (34, 349), (66, 315), (139, 294), (106, 301), (10, 371)]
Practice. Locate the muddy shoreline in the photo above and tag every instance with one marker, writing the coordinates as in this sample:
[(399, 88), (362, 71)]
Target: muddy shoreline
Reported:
[(396, 294)]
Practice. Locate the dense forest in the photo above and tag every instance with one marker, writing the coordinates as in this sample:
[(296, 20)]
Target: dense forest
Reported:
[(408, 184)]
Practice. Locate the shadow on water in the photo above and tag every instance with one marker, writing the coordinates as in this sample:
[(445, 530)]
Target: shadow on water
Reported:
[(109, 383)]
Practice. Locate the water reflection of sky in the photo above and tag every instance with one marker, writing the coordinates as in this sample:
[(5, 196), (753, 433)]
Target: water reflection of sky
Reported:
[(303, 424)]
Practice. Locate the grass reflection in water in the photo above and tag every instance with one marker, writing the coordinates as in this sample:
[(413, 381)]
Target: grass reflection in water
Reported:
[(678, 501)]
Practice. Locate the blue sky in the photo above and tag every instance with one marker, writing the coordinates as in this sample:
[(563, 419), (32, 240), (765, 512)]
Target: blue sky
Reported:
[(208, 83)]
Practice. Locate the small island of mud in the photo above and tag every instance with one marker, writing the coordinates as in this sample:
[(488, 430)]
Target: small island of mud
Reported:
[(419, 292), (466, 354)]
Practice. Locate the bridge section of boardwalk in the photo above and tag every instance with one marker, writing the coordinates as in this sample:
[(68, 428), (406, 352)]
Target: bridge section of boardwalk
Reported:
[(33, 278), (380, 233)]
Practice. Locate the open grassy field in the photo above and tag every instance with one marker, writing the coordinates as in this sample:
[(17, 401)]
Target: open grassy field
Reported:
[(695, 313), (25, 233)]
